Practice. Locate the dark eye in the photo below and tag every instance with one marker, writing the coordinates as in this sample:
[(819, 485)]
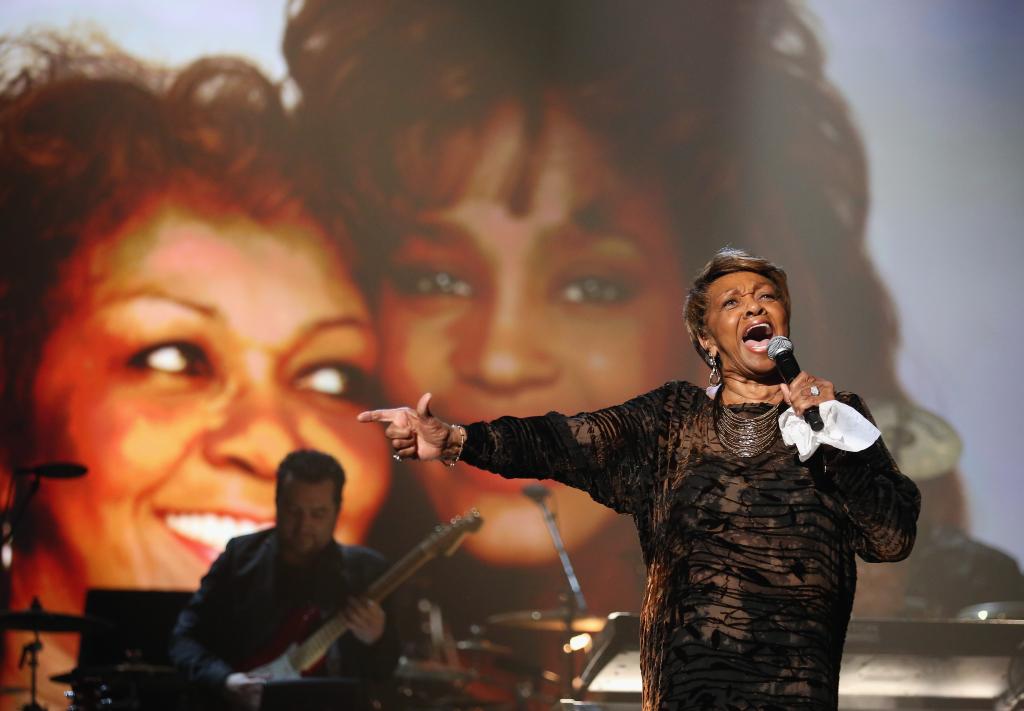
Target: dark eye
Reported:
[(178, 358), (595, 290), (337, 380), (429, 282), (729, 303), (769, 296)]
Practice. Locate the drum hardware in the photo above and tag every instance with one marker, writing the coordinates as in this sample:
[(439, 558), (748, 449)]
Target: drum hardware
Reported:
[(124, 685), (431, 684), (996, 610), (479, 645), (502, 677), (425, 671), (923, 444), (125, 670), (35, 619), (468, 674), (572, 615), (560, 619)]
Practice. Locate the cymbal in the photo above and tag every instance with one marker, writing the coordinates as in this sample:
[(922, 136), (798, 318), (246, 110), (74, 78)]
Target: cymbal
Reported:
[(923, 444), (110, 672), (39, 620), (996, 610), (557, 620), (482, 645)]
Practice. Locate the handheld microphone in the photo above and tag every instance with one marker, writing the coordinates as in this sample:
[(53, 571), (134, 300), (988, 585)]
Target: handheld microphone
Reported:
[(53, 470), (780, 350), (537, 492)]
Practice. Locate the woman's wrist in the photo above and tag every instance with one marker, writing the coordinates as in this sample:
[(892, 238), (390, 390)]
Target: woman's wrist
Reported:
[(452, 450)]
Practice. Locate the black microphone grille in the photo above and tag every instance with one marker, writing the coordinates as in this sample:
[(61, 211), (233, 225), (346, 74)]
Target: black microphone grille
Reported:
[(779, 344), (54, 470), (537, 492)]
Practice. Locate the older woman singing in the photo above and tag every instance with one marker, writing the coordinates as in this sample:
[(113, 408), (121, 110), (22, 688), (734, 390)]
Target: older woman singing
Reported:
[(749, 545)]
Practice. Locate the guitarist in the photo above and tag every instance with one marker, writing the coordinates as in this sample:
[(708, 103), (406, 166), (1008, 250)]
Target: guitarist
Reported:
[(260, 580)]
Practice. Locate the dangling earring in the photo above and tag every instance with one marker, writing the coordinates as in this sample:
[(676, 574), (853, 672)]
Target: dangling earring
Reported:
[(715, 377)]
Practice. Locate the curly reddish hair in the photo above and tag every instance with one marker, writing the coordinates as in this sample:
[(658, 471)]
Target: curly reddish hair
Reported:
[(88, 138)]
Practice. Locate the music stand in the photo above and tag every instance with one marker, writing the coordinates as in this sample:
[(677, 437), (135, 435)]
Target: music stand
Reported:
[(143, 622), (316, 695)]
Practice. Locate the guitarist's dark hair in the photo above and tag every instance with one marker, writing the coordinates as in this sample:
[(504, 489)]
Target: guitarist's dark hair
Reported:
[(311, 466)]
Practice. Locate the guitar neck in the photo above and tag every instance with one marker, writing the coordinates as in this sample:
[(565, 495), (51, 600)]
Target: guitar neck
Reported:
[(309, 652), (401, 571)]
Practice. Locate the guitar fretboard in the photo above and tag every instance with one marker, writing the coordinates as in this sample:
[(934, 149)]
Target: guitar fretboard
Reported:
[(309, 652)]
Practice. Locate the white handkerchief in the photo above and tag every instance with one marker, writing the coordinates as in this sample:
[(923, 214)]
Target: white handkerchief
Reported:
[(845, 429)]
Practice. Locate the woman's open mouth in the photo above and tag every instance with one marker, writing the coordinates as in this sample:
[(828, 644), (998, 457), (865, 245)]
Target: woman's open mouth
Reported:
[(757, 336)]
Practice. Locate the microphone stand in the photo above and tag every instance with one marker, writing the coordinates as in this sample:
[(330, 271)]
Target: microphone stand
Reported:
[(9, 517), (13, 517), (576, 604), (30, 657)]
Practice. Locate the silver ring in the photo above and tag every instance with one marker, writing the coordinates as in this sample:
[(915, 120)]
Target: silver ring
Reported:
[(397, 457), (814, 391)]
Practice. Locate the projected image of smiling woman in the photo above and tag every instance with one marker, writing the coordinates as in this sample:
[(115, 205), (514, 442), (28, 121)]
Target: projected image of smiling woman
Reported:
[(536, 178), (180, 321)]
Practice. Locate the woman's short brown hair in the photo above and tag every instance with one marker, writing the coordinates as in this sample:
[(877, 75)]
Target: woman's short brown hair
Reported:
[(727, 260)]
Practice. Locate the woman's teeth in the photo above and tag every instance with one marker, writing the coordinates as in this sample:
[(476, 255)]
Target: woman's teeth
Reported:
[(757, 337), (212, 530)]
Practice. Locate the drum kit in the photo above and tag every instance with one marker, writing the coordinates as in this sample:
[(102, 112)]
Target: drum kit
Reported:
[(475, 675), (485, 675), (115, 686)]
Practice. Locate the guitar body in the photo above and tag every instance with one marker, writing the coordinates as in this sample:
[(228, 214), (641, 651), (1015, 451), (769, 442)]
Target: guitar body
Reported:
[(274, 663), (300, 648)]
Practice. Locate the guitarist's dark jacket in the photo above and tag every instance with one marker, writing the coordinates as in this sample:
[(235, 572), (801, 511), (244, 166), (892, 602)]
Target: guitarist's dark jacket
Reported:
[(248, 595)]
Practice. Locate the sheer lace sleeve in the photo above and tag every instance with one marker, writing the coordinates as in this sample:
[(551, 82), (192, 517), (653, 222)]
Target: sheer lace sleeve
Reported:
[(882, 503), (609, 453)]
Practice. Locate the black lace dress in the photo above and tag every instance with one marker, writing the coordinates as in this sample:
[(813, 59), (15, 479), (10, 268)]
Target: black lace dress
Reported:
[(750, 561)]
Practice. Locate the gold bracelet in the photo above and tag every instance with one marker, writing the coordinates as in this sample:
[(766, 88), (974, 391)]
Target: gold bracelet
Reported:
[(452, 462)]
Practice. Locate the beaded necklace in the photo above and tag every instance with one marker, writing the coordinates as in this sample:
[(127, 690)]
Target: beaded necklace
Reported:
[(745, 436)]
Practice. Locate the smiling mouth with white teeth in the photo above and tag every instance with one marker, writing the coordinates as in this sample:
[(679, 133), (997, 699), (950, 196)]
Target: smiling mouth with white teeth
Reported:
[(757, 336), (212, 530)]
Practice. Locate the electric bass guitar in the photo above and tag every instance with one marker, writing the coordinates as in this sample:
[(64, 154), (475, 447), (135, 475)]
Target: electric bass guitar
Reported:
[(301, 658)]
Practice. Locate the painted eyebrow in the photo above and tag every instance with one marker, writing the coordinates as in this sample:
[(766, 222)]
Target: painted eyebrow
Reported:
[(592, 218), (595, 223), (335, 322), (212, 312), (437, 230), (592, 215), (151, 293), (737, 292)]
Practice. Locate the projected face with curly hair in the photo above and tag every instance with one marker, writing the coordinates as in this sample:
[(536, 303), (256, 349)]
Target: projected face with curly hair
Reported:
[(183, 321), (181, 375), (570, 300)]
